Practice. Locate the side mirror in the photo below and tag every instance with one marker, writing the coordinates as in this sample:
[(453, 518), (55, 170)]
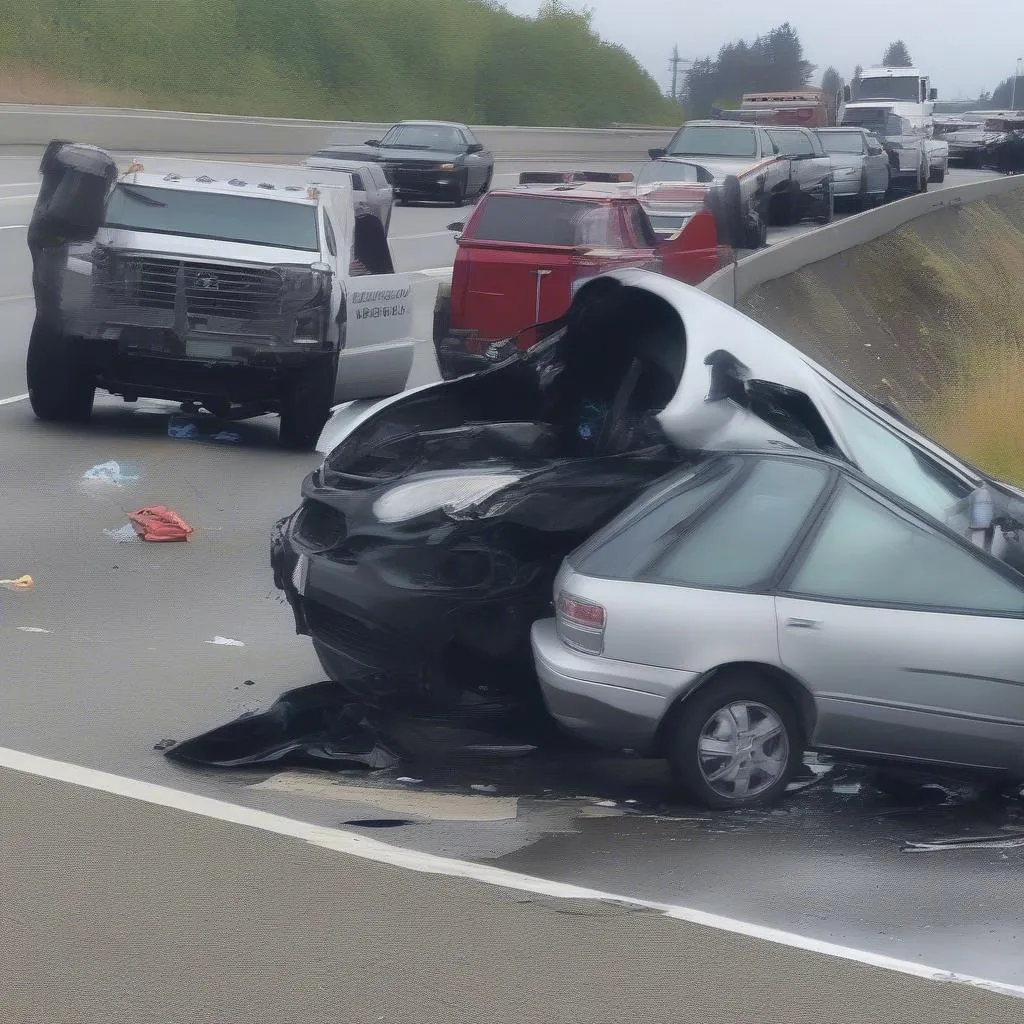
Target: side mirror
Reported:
[(656, 154), (476, 147), (847, 94), (457, 226), (372, 142)]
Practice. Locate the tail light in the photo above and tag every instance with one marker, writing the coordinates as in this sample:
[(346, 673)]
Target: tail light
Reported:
[(580, 623)]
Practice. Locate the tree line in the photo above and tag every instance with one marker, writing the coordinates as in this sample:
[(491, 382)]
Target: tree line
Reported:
[(373, 60)]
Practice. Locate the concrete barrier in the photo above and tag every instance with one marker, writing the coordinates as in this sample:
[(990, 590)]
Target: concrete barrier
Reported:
[(732, 283), (167, 131)]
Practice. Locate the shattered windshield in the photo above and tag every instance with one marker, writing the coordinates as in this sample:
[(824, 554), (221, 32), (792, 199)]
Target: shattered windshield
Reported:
[(227, 218), (709, 140)]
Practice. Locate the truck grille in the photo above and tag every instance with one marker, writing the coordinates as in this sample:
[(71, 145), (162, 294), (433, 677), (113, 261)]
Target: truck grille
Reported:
[(208, 289)]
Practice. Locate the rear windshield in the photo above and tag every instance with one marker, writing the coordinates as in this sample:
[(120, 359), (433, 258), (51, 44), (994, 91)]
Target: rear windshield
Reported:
[(666, 171), (249, 219), (547, 220), (842, 142), (709, 140)]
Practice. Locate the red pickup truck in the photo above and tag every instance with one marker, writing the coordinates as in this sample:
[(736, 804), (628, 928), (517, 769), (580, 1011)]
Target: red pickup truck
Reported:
[(524, 251)]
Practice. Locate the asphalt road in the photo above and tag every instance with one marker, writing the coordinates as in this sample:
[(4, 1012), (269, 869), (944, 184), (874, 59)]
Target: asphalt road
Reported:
[(126, 662)]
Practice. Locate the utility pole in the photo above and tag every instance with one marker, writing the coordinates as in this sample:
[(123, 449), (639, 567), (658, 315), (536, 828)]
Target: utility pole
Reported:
[(674, 63)]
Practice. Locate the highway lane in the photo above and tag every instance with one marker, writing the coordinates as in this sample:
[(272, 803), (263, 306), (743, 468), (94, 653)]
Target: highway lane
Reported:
[(126, 663), (117, 910)]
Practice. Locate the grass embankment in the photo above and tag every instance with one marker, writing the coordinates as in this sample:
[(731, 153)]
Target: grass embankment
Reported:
[(929, 319), (374, 60)]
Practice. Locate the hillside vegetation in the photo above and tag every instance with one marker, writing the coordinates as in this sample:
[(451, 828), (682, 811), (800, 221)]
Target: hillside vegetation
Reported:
[(929, 318), (467, 60)]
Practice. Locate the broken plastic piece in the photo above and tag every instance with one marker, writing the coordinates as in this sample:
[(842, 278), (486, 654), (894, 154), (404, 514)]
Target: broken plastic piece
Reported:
[(109, 472), (21, 583), (123, 534), (160, 524), (484, 789), (188, 430), (227, 435), (32, 629), (223, 641)]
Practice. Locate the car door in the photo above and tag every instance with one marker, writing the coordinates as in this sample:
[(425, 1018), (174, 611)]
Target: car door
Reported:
[(385, 194), (909, 637), (799, 151), (474, 165), (876, 160)]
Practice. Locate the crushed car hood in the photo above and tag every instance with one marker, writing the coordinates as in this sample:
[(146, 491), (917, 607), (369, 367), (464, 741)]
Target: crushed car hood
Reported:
[(740, 386)]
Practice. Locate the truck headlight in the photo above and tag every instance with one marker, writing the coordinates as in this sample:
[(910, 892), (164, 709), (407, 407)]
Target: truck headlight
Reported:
[(441, 493)]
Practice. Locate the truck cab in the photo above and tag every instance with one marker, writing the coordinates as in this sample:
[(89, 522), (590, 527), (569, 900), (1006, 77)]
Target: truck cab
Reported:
[(267, 294), (906, 94)]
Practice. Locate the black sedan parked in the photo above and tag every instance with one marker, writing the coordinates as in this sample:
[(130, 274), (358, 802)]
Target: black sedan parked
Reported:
[(428, 160)]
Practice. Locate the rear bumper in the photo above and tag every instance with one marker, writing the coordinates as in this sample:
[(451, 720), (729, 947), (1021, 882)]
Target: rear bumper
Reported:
[(598, 699)]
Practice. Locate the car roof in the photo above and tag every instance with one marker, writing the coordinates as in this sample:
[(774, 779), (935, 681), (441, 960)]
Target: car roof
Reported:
[(718, 123), (260, 187), (435, 124), (605, 192)]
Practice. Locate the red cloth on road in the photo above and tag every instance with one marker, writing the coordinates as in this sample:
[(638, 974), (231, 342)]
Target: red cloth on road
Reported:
[(159, 523)]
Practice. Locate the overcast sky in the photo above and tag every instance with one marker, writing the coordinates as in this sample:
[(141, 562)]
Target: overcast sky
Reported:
[(963, 47)]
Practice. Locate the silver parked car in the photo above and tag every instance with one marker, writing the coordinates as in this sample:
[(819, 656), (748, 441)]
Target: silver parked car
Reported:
[(860, 165), (371, 191), (762, 603), (812, 172)]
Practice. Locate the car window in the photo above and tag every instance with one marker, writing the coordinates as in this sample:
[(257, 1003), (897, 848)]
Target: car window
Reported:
[(541, 220), (843, 142), (898, 465), (439, 137), (470, 137), (710, 140), (741, 542), (332, 245), (866, 552), (357, 183), (668, 170), (379, 178), (792, 143), (631, 542)]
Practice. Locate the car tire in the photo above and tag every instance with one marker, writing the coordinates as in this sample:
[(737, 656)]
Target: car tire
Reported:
[(828, 204), (937, 177), (922, 183), (714, 708), (459, 190), (860, 200), (60, 389), (733, 214), (305, 409)]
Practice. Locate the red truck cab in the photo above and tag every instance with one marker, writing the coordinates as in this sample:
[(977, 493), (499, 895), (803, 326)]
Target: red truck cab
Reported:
[(523, 252)]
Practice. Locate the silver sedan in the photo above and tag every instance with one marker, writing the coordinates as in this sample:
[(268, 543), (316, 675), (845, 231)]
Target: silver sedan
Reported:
[(759, 604), (371, 191), (860, 164)]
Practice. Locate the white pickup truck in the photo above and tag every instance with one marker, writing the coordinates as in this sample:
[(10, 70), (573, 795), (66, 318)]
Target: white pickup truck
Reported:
[(899, 104), (242, 295), (736, 166)]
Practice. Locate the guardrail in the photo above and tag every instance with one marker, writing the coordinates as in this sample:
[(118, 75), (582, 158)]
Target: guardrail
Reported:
[(732, 283), (170, 131)]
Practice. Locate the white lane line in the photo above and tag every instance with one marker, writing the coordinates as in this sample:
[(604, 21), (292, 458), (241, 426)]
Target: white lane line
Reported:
[(383, 853), (19, 184), (16, 298), (17, 199), (15, 398), (11, 227)]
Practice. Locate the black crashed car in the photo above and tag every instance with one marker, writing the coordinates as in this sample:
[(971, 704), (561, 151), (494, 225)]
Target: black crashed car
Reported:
[(438, 160), (427, 543)]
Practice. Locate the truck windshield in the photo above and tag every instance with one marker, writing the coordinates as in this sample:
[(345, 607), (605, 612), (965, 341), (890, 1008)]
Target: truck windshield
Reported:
[(842, 142), (905, 88), (709, 140), (249, 219), (441, 137), (546, 220)]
